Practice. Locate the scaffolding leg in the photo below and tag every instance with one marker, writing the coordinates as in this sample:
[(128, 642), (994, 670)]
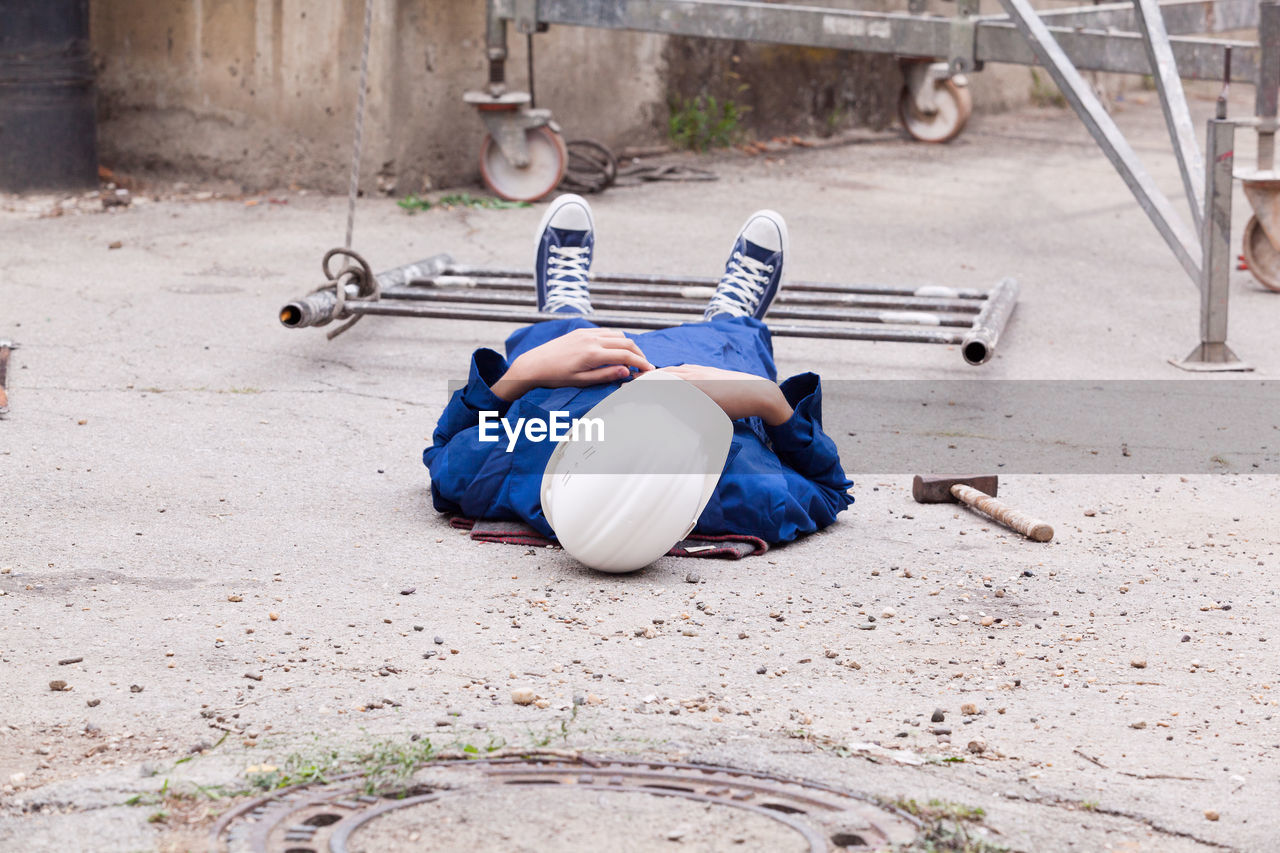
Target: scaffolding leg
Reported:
[(1268, 83), (1109, 138), (1212, 353), (1173, 101)]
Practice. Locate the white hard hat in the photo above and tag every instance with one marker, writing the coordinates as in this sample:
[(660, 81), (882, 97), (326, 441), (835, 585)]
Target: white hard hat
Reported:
[(620, 500)]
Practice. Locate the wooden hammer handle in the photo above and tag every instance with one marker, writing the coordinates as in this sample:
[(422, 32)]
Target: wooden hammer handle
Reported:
[(1032, 528)]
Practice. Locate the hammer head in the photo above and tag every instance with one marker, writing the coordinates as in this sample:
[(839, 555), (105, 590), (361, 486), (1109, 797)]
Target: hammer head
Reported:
[(935, 490)]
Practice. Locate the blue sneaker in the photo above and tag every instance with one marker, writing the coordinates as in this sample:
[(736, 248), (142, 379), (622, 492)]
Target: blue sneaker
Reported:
[(753, 272), (566, 240)]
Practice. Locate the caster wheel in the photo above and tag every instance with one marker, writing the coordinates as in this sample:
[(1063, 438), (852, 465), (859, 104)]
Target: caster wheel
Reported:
[(548, 158), (1261, 256), (955, 105)]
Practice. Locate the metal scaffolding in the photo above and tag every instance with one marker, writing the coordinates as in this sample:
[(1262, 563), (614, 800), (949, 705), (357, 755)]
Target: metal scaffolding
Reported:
[(523, 155), (1139, 37)]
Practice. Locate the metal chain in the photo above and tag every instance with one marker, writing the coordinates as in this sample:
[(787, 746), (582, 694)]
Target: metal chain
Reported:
[(354, 189)]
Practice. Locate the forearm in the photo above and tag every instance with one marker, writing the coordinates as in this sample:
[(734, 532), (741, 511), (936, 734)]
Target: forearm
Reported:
[(579, 358), (465, 405), (775, 410), (512, 386)]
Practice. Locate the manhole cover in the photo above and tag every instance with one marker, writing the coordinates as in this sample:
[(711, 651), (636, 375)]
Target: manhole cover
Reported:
[(566, 806)]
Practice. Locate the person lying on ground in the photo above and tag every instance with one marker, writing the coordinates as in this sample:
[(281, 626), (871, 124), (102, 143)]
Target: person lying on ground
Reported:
[(780, 477)]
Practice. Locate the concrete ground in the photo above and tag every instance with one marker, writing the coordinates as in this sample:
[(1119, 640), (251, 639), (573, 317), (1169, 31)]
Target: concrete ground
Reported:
[(220, 517)]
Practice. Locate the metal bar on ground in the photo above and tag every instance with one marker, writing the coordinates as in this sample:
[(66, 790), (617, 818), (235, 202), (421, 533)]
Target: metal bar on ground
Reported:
[(859, 333), (1173, 102), (466, 271), (980, 343), (414, 290), (691, 306), (1109, 138), (701, 294)]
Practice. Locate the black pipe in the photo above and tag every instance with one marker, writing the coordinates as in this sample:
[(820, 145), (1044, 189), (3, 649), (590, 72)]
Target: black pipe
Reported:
[(48, 137)]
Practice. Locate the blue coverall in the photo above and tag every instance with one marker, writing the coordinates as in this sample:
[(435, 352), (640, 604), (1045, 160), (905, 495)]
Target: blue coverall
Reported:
[(778, 482)]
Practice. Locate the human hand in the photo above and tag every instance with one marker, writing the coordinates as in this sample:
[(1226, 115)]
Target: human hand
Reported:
[(581, 357), (741, 395)]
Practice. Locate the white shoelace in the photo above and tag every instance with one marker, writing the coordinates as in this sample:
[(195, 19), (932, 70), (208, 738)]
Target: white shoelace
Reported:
[(567, 276), (741, 287)]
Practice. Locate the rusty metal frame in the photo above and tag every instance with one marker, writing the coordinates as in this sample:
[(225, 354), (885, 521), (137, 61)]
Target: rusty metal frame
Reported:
[(438, 288)]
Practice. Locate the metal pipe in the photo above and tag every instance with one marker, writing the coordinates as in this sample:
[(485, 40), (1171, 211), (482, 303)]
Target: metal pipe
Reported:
[(1181, 17), (1212, 352), (423, 270), (858, 333), (317, 309), (314, 309), (464, 271), (904, 317), (1217, 233), (1268, 83), (980, 343), (496, 42), (699, 294), (1173, 102), (881, 32)]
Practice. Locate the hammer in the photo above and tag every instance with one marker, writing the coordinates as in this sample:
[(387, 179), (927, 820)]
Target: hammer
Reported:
[(978, 493)]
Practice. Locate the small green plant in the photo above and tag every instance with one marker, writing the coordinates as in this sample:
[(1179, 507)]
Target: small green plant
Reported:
[(1044, 93), (836, 119), (299, 769), (561, 731), (942, 809), (1089, 805), (389, 764), (947, 827), (414, 203), (704, 121)]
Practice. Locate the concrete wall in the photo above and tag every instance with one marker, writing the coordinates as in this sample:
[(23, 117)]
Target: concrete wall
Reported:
[(263, 91)]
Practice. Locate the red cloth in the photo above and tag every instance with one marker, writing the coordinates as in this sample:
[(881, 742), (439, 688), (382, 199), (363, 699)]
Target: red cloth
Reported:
[(730, 547)]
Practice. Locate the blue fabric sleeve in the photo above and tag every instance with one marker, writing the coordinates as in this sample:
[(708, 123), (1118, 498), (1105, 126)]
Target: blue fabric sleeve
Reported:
[(802, 446), (456, 454), (466, 404)]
